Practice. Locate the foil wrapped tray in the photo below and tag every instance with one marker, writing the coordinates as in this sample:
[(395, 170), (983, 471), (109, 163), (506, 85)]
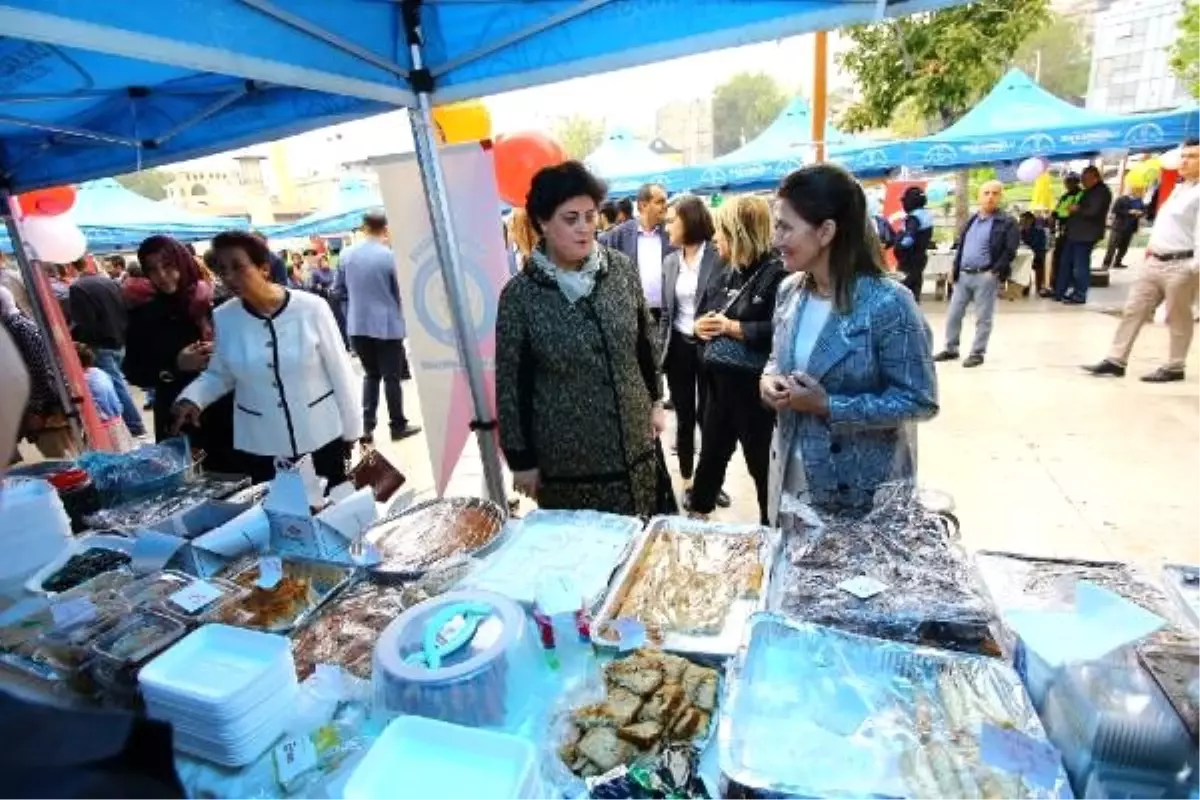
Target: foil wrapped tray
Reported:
[(811, 711), (691, 584), (428, 534), (148, 510)]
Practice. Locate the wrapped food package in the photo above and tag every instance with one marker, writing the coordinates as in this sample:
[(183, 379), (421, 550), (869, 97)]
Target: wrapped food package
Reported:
[(145, 511), (691, 584), (896, 573), (817, 712), (345, 631), (428, 534), (148, 470)]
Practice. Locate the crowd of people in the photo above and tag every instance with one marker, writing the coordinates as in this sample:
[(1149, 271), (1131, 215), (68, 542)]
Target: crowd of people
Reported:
[(246, 353)]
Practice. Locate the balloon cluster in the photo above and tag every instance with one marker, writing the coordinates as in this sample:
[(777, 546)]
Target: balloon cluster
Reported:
[(47, 227)]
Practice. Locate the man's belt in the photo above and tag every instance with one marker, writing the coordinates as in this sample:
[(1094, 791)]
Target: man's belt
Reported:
[(1179, 255), (976, 270)]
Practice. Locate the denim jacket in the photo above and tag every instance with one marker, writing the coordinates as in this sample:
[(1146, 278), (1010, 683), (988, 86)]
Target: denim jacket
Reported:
[(876, 365)]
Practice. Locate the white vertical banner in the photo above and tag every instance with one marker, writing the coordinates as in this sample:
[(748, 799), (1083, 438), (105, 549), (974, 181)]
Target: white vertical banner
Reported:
[(445, 395)]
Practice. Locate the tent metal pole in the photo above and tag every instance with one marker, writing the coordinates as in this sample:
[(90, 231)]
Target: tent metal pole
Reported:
[(446, 243), (41, 317)]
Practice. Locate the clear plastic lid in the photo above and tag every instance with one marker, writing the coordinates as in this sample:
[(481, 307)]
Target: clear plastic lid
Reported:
[(155, 587), (141, 636)]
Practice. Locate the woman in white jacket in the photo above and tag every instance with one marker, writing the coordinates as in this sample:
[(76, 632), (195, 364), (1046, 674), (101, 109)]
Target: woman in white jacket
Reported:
[(281, 354)]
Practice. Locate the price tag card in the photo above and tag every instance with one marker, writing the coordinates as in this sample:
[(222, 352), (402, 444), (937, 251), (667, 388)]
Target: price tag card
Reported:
[(73, 612), (631, 633), (270, 572), (1017, 753), (195, 596), (863, 587), (293, 757)]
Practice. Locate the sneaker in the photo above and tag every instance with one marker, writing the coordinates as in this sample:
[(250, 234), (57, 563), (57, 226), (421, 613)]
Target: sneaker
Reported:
[(1106, 368), (1120, 266), (973, 360), (946, 355), (405, 432), (1074, 301), (1046, 293), (1164, 375), (723, 499)]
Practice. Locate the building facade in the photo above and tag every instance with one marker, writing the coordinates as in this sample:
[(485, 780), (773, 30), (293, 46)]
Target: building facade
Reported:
[(1131, 44), (688, 126)]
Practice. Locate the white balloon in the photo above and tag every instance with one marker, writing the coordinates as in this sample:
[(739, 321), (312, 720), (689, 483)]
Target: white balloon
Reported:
[(1030, 168), (56, 240), (1171, 159)]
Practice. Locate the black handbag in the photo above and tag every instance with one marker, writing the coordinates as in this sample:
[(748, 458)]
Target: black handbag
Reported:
[(727, 353)]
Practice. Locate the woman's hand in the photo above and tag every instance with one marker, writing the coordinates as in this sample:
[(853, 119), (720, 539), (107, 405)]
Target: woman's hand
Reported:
[(194, 357), (710, 326), (658, 420), (184, 413), (807, 395), (527, 482), (774, 391)]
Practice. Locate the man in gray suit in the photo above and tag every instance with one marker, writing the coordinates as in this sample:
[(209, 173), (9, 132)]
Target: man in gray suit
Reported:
[(375, 321), (645, 241)]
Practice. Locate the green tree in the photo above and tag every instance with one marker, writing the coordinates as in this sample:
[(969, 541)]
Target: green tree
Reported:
[(742, 108), (941, 63), (579, 135), (1185, 52), (1059, 55), (151, 183)]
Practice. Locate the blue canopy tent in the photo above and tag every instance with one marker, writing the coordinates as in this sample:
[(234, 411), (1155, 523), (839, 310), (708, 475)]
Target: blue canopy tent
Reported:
[(1019, 119), (621, 156), (90, 89), (355, 197)]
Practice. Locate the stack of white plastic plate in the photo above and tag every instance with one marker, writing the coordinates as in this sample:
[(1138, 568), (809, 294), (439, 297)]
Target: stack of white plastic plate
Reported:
[(227, 691), (34, 528)]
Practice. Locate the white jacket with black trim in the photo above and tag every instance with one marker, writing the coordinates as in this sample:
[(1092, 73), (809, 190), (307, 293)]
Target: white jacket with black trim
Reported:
[(294, 389)]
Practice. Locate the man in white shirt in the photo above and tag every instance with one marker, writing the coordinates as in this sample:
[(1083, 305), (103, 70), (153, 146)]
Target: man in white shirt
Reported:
[(645, 241), (1169, 274)]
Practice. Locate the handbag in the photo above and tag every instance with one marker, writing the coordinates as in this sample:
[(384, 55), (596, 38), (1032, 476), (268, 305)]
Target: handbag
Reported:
[(377, 472), (728, 353)]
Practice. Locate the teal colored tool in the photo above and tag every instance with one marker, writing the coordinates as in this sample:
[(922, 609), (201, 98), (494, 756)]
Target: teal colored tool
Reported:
[(435, 646)]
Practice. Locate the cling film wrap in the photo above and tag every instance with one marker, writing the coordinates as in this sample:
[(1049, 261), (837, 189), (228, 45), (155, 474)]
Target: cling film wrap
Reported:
[(816, 712), (926, 589)]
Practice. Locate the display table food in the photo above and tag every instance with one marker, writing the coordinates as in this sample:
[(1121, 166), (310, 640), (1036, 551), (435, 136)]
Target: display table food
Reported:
[(574, 654)]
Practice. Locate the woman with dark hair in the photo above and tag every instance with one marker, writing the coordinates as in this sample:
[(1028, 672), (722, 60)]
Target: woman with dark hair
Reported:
[(851, 368), (734, 323), (689, 273), (280, 352), (168, 343), (577, 382)]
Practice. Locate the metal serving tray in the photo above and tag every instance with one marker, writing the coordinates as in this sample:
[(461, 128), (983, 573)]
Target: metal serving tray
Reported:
[(400, 525), (703, 646)]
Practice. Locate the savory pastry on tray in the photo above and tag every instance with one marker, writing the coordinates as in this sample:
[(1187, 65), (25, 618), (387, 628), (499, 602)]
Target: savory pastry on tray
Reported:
[(652, 698)]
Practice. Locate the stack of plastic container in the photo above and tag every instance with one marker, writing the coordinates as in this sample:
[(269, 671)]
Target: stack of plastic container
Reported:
[(34, 528), (1113, 725), (227, 692)]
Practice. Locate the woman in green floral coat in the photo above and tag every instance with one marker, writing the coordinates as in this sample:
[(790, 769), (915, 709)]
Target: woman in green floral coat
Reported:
[(577, 381)]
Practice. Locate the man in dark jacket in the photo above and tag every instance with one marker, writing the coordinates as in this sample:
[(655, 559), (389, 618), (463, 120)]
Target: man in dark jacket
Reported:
[(1126, 215), (1085, 226), (912, 243), (1058, 226), (984, 253), (644, 239), (99, 319)]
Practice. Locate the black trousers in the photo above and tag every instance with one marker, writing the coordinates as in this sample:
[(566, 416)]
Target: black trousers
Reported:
[(382, 359), (1118, 245), (1039, 270), (1056, 259), (685, 380), (734, 415), (330, 461)]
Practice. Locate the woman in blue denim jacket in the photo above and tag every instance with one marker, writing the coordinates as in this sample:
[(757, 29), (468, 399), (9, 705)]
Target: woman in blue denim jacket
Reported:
[(851, 367)]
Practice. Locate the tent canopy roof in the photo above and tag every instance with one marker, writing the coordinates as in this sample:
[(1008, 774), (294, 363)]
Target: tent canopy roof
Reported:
[(106, 203), (355, 197), (788, 135), (621, 153), (91, 89)]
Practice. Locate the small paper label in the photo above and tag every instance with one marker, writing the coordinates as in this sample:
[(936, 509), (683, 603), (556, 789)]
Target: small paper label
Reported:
[(1017, 753), (270, 572), (631, 633), (73, 612), (862, 587), (195, 596), (293, 757)]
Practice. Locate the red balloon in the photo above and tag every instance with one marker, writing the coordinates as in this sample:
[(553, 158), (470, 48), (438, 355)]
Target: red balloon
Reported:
[(47, 202), (519, 156)]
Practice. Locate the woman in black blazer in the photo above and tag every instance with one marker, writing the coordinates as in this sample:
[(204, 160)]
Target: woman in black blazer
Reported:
[(742, 309), (689, 272)]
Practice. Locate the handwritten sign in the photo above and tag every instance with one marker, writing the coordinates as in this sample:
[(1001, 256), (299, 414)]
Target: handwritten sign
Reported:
[(1018, 753)]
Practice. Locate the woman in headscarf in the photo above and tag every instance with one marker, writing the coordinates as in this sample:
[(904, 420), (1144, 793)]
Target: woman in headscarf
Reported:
[(168, 343), (577, 382)]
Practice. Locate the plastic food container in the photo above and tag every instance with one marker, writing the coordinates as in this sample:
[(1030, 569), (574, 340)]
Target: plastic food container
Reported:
[(155, 591), (81, 561), (79, 495), (69, 645), (465, 657), (426, 758), (121, 652)]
